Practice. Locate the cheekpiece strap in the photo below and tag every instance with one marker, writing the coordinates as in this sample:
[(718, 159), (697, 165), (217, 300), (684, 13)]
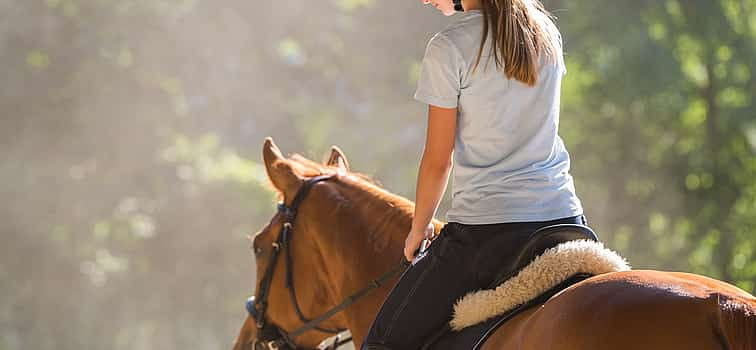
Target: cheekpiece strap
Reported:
[(285, 211)]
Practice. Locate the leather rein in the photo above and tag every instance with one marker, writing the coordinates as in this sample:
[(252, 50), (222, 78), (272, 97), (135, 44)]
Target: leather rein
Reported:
[(271, 337)]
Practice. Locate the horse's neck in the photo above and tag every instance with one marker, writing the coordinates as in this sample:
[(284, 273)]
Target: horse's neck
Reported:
[(368, 229), (382, 220), (368, 243)]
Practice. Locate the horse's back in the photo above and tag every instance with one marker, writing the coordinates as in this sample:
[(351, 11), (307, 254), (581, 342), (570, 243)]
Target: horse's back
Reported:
[(637, 309)]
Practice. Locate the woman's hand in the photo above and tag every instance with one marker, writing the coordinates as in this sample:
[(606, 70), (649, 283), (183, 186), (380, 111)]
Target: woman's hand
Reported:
[(414, 239)]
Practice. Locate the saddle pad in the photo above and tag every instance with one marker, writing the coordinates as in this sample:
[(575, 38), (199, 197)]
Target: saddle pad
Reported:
[(545, 272), (473, 337)]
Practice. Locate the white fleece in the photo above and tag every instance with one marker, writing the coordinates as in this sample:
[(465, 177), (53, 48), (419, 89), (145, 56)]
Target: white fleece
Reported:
[(546, 271)]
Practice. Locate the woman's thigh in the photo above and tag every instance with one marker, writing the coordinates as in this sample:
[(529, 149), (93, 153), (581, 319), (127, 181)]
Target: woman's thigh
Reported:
[(422, 300), (462, 259)]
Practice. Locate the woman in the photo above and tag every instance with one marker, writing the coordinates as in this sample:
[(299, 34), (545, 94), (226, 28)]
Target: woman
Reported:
[(491, 81)]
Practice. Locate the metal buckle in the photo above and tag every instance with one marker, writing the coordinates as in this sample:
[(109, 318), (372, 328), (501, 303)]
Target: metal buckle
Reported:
[(272, 344)]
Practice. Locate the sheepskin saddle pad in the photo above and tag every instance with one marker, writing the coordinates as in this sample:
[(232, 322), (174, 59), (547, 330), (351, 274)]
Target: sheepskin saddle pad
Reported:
[(554, 269)]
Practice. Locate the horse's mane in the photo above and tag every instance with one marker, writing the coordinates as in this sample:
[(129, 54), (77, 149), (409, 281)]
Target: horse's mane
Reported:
[(307, 168), (368, 191), (314, 169)]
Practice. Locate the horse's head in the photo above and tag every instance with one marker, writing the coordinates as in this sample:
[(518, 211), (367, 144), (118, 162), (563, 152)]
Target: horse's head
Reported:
[(290, 278)]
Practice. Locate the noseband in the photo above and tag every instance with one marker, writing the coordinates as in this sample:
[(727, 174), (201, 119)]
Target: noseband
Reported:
[(271, 337)]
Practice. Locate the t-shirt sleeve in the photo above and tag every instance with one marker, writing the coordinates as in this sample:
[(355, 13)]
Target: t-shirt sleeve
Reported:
[(440, 74), (561, 53)]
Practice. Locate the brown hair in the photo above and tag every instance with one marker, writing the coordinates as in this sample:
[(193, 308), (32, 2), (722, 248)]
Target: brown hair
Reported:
[(520, 36)]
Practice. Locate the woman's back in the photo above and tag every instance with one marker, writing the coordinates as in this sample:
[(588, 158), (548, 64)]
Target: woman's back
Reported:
[(496, 130), (509, 163)]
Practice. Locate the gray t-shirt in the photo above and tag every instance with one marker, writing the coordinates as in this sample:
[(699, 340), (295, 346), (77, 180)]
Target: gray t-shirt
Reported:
[(509, 163)]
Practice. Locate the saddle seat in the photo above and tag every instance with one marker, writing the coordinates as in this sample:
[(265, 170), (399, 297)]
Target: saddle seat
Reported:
[(539, 241), (554, 258)]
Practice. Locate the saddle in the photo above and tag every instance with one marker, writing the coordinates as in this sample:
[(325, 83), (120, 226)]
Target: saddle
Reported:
[(566, 253), (539, 241)]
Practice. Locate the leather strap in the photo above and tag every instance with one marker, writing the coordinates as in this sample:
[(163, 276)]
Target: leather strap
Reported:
[(458, 6), (350, 299)]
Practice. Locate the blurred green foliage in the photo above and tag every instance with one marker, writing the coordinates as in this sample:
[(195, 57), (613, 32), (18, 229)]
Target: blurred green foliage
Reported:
[(130, 137)]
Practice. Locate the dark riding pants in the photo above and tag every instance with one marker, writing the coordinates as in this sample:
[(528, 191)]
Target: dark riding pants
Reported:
[(461, 259)]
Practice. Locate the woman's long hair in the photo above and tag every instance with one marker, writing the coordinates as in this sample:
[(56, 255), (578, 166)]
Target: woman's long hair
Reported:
[(521, 35)]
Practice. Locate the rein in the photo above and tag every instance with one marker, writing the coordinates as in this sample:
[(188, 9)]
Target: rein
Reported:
[(271, 337)]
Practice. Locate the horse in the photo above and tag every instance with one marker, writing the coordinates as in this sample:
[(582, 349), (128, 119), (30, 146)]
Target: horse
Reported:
[(340, 260)]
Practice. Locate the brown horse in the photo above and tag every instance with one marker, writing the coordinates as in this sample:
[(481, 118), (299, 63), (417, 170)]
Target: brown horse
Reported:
[(348, 231)]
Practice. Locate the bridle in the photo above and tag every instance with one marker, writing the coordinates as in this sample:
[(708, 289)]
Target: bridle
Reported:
[(271, 337)]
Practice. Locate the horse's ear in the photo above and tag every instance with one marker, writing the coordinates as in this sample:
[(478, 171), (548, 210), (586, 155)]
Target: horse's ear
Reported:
[(338, 159), (280, 170)]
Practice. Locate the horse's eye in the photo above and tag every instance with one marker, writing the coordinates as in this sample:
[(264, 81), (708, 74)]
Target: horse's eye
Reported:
[(257, 250)]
